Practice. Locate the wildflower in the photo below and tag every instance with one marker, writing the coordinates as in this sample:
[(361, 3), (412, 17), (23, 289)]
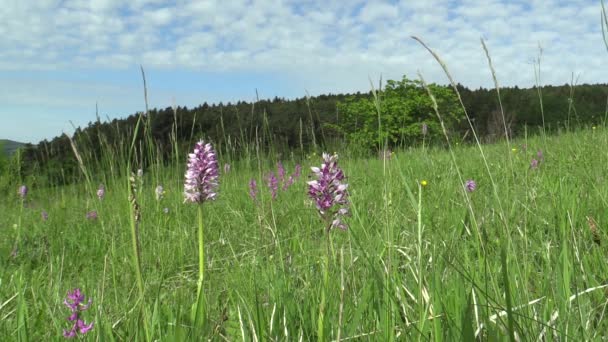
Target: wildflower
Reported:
[(289, 182), (424, 183), (425, 129), (281, 172), (292, 178), (140, 173), (159, 192), (298, 171), (514, 150), (101, 192), (273, 184), (470, 185), (22, 191), (92, 215), (534, 164), (593, 128), (166, 210), (253, 189), (74, 302), (329, 193), (202, 175), (44, 215), (540, 155)]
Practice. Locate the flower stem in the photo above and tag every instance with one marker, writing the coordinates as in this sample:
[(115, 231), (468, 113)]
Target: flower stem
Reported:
[(322, 308), (201, 269), (137, 264)]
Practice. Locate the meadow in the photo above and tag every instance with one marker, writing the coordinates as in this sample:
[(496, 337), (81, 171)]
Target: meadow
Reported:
[(520, 257), (459, 241)]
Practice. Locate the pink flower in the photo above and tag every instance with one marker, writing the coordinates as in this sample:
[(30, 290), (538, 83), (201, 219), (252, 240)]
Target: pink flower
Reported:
[(202, 174), (74, 301), (470, 185), (273, 184), (281, 172), (101, 192), (329, 193), (534, 164), (92, 215), (540, 155), (22, 191), (253, 189)]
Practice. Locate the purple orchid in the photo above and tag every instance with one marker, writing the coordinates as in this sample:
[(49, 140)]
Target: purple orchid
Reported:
[(202, 174), (253, 189), (470, 185), (74, 301), (273, 184), (329, 193)]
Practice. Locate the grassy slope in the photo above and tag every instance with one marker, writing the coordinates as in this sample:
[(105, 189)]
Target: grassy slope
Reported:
[(10, 146), (264, 262)]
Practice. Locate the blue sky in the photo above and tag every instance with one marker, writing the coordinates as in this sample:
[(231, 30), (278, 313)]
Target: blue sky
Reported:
[(58, 58)]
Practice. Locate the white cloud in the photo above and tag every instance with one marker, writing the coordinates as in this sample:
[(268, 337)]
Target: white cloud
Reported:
[(322, 46), (287, 37)]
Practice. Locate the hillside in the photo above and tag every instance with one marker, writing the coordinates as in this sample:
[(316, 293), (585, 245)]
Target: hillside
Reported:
[(10, 146)]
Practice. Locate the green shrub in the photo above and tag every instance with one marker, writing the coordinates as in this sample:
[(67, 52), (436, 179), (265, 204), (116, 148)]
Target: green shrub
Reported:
[(404, 107)]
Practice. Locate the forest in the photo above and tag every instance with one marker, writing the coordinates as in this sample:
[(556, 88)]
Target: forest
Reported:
[(304, 124)]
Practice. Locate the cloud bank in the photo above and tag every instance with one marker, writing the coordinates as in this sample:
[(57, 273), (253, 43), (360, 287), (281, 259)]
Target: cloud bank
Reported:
[(316, 46)]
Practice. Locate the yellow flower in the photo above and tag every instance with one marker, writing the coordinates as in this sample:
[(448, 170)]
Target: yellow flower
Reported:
[(514, 150), (424, 183), (593, 127)]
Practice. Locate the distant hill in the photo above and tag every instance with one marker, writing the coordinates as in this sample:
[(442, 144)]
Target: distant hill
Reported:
[(10, 146)]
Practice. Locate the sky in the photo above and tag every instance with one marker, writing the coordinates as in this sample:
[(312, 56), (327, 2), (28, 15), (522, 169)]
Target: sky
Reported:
[(60, 59)]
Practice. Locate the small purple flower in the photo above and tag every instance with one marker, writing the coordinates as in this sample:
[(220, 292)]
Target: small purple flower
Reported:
[(202, 175), (289, 182), (273, 184), (425, 129), (44, 215), (292, 178), (74, 301), (101, 192), (226, 168), (253, 189), (470, 185), (329, 193), (540, 155), (298, 172), (281, 172), (534, 164), (92, 215), (159, 192), (22, 191)]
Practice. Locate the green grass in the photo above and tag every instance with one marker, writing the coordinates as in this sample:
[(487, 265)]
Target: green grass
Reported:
[(417, 263)]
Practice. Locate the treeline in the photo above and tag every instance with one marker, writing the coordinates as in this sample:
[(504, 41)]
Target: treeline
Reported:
[(301, 125)]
